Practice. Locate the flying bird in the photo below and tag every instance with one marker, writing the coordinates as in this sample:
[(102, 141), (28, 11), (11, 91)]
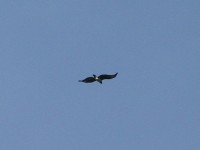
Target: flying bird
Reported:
[(98, 78)]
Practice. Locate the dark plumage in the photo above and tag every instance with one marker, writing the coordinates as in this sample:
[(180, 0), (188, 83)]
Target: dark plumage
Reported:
[(105, 76), (88, 80), (98, 79)]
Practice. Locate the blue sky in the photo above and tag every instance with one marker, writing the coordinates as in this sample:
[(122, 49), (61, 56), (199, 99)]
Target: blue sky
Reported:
[(47, 46)]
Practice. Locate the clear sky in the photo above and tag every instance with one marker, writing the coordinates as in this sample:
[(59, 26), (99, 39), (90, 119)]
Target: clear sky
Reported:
[(47, 46)]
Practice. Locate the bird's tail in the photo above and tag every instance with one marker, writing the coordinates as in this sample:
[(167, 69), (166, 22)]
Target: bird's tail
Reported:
[(100, 81), (80, 81)]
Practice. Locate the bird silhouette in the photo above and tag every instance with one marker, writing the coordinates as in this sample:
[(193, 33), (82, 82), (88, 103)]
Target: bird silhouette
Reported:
[(98, 78)]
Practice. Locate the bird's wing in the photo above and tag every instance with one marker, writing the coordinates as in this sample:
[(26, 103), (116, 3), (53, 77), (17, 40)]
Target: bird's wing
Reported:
[(106, 76), (88, 80)]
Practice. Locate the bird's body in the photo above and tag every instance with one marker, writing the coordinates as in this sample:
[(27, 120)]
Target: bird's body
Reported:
[(98, 78)]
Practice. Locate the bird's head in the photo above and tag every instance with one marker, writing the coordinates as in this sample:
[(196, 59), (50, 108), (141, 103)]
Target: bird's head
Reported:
[(94, 76)]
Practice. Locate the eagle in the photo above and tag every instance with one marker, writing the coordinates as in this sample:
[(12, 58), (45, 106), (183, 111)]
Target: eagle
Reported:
[(98, 78)]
